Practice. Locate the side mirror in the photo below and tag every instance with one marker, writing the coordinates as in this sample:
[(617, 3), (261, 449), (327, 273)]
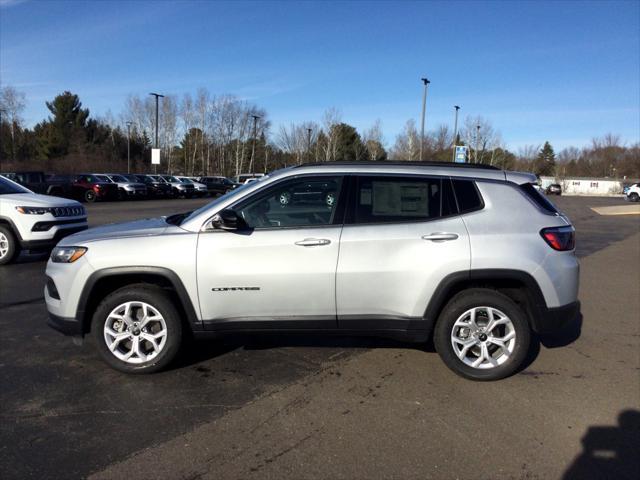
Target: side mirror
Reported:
[(227, 219)]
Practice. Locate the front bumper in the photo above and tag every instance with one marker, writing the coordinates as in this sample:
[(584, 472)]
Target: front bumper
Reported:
[(556, 319), (47, 243), (68, 326)]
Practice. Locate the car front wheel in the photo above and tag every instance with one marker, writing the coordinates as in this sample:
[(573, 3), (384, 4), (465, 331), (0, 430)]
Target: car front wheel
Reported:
[(89, 196), (482, 335), (634, 197), (9, 247), (137, 329)]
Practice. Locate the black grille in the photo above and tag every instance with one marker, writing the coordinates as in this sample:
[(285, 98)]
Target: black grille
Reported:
[(67, 211)]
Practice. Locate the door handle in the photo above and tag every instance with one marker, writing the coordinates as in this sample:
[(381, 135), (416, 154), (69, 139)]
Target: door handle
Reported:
[(440, 236), (313, 242)]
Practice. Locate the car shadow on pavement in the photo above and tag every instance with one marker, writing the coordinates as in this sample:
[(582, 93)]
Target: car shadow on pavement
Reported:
[(609, 451), (197, 351), (32, 257)]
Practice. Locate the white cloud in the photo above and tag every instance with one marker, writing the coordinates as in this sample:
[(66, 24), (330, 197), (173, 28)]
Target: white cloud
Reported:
[(10, 3)]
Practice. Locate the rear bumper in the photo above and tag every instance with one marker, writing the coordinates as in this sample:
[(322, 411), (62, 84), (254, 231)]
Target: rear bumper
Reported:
[(556, 319)]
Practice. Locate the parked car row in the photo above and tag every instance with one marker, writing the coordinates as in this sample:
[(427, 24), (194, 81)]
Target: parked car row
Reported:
[(89, 187)]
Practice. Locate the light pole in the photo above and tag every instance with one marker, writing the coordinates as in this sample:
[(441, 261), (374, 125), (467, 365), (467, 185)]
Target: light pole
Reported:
[(455, 132), (253, 147), (157, 95), (128, 147), (2, 110), (424, 107), (309, 142), (477, 140)]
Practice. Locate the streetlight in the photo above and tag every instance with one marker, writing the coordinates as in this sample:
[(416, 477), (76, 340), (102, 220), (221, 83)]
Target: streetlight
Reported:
[(455, 132), (129, 147), (424, 106), (157, 95), (253, 148), (477, 140)]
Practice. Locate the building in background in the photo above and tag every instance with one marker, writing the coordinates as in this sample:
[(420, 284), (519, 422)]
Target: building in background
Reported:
[(588, 185)]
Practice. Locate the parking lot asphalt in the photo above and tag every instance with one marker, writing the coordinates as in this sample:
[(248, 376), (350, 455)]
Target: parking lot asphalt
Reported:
[(272, 407)]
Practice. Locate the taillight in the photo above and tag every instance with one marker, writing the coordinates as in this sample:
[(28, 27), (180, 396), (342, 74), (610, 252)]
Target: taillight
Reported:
[(560, 238)]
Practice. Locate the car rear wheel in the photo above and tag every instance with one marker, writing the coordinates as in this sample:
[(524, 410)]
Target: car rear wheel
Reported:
[(330, 199), (89, 196), (482, 335), (137, 329), (9, 247), (634, 197), (284, 198)]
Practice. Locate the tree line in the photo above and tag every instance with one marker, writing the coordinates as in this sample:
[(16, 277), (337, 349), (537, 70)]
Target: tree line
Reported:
[(209, 134)]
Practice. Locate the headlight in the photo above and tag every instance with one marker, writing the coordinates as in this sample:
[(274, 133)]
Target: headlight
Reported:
[(33, 210), (67, 254)]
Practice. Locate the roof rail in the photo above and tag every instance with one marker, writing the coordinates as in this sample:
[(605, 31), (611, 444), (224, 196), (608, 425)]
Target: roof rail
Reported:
[(405, 163)]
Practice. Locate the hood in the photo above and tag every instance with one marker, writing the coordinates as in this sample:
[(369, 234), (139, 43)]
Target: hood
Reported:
[(148, 227), (37, 200)]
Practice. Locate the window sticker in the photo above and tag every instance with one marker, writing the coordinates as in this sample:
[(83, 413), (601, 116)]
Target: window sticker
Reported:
[(395, 198)]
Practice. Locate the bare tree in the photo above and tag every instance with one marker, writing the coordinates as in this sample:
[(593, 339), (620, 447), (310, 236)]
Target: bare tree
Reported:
[(169, 129), (480, 140), (373, 139), (331, 118), (407, 146), (13, 103), (293, 140)]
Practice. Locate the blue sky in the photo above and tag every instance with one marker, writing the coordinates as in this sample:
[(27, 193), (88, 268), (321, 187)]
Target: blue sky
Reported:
[(557, 71)]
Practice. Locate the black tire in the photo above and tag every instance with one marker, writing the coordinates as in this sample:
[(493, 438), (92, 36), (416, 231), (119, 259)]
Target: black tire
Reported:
[(160, 301), (481, 297), (634, 197), (13, 247), (89, 196), (122, 195)]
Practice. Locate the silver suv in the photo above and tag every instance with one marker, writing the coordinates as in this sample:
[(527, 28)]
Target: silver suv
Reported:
[(475, 256)]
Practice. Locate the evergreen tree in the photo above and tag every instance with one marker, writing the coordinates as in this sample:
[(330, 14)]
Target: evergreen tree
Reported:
[(66, 126), (546, 161), (349, 146)]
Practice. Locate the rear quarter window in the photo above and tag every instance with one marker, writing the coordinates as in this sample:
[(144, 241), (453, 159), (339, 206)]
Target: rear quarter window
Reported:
[(541, 201)]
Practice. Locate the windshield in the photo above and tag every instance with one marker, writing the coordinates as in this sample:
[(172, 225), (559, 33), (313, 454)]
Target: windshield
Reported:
[(119, 178), (221, 198), (7, 187), (172, 179), (186, 180), (103, 178)]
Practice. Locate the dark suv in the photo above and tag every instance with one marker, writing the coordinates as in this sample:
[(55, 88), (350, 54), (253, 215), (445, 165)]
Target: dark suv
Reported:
[(217, 185)]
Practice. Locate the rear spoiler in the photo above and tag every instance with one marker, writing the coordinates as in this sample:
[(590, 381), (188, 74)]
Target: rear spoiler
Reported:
[(520, 178)]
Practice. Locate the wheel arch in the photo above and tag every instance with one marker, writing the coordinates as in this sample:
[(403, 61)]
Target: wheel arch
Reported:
[(14, 229), (518, 285), (103, 282)]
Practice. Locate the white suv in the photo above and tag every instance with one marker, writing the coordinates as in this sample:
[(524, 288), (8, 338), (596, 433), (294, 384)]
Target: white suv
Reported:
[(29, 221), (633, 193), (474, 255)]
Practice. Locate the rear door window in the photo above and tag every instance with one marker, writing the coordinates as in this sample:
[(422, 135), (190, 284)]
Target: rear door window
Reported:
[(399, 199), (467, 196)]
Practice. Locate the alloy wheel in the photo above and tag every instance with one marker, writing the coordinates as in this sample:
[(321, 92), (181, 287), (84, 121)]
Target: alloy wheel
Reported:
[(4, 245), (135, 332), (483, 337)]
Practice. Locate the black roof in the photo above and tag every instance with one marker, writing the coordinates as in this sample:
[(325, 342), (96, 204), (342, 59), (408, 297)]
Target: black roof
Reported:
[(406, 163)]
